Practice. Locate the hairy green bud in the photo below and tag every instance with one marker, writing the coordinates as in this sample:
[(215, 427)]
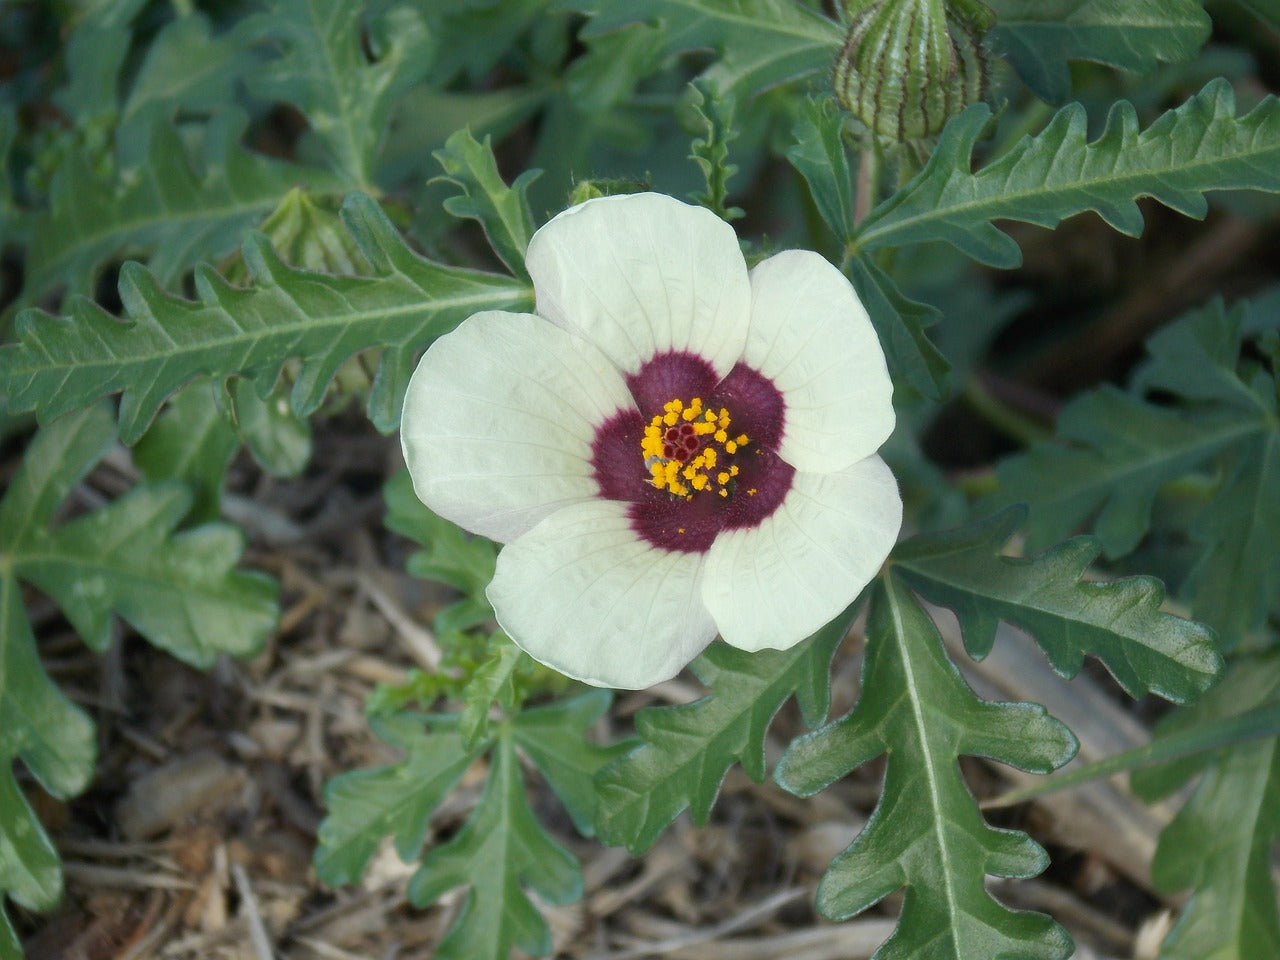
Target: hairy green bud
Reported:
[(909, 66)]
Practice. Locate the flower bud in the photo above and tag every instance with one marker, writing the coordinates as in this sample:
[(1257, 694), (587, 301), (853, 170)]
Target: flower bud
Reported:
[(909, 66)]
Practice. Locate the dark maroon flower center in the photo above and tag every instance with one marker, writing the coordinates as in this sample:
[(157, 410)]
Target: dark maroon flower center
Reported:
[(637, 450)]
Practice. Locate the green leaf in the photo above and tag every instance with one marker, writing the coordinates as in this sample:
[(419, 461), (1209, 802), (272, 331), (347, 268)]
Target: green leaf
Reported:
[(50, 734), (10, 948), (900, 324), (278, 439), (502, 211), (396, 801), (1117, 621), (1039, 36), (820, 156), (1234, 581), (1197, 147), (1221, 842), (186, 67), (178, 590), (710, 150), (687, 749), (192, 442), (761, 43), (926, 833), (323, 69), (1114, 452), (63, 364), (95, 54), (498, 852), (553, 737), (501, 849), (1196, 357), (29, 868), (474, 35), (450, 555), (170, 208), (310, 235), (492, 682)]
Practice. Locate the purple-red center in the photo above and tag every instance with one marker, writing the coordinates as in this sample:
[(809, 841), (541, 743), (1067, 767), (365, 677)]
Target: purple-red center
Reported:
[(697, 455)]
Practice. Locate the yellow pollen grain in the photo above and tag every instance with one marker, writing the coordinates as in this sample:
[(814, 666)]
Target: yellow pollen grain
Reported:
[(707, 469)]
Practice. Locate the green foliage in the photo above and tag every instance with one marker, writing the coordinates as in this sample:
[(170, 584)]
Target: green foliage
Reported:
[(760, 43), (1115, 451), (820, 156), (191, 442), (502, 211), (926, 833), (710, 150), (501, 850), (61, 364), (179, 590), (1119, 621), (170, 207), (1197, 147), (451, 556), (169, 134), (1221, 841), (323, 69), (687, 749), (1039, 36)]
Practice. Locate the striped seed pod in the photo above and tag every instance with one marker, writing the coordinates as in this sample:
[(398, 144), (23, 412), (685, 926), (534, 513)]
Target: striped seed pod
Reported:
[(909, 66)]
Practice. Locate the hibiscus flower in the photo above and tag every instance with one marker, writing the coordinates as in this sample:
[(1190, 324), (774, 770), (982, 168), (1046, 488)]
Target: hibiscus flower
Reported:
[(673, 447)]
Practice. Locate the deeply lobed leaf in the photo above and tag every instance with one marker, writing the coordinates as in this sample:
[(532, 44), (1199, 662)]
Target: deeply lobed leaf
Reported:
[(1115, 451), (396, 801), (1195, 148), (687, 749), (502, 211), (498, 852), (179, 590), (1221, 842), (61, 364), (169, 208), (501, 852), (1119, 621), (761, 43), (323, 69), (926, 833), (1039, 37)]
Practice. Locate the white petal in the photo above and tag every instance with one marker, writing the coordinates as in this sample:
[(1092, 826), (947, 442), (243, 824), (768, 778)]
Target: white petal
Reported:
[(642, 274), (499, 418), (775, 584), (812, 337), (582, 593)]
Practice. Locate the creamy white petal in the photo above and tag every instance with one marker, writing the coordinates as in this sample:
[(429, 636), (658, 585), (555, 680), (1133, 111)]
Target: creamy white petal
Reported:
[(775, 584), (499, 419), (812, 337), (642, 274), (582, 593)]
